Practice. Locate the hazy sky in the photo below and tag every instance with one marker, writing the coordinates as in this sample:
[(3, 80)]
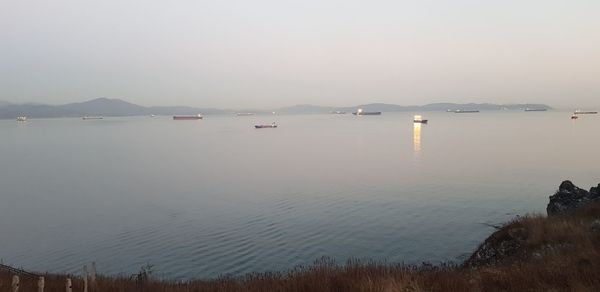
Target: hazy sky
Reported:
[(268, 53)]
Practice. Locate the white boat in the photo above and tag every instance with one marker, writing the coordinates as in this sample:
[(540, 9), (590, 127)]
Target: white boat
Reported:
[(22, 119), (418, 119), (92, 118)]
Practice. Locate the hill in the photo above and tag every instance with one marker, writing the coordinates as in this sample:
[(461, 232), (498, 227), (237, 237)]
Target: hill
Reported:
[(385, 107), (96, 107), (118, 107)]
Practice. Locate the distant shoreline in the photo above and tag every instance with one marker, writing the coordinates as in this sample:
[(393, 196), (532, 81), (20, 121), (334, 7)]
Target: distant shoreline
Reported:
[(120, 108)]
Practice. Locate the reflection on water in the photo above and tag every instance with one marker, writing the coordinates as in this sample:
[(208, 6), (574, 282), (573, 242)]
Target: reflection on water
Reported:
[(215, 197), (417, 138)]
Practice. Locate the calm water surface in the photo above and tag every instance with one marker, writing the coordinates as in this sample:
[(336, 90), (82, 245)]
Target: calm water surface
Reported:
[(199, 199)]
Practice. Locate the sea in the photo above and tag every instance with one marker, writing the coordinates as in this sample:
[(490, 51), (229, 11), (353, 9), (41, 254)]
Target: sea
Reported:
[(217, 197)]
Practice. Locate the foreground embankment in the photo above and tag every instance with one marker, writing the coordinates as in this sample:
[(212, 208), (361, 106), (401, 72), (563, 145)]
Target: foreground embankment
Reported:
[(558, 252)]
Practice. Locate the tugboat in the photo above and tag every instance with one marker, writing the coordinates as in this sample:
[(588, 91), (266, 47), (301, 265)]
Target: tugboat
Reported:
[(360, 112), (419, 120), (196, 117), (574, 117), (22, 119), (273, 125)]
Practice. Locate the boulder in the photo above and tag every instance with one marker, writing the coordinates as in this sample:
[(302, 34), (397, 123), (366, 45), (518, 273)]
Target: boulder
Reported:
[(570, 197), (595, 191)]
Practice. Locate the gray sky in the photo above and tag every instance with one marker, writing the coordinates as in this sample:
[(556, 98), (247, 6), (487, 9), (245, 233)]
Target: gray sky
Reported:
[(267, 53)]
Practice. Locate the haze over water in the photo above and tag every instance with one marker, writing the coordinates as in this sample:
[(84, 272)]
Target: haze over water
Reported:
[(203, 198)]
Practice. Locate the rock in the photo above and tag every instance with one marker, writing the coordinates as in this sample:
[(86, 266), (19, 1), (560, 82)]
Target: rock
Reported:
[(595, 225), (570, 197), (595, 191), (503, 245), (567, 186)]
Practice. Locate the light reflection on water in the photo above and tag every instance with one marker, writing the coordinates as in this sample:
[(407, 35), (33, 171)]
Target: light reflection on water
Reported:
[(417, 138), (204, 198)]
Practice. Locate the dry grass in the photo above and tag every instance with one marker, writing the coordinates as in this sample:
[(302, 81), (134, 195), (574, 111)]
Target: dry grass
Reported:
[(552, 254)]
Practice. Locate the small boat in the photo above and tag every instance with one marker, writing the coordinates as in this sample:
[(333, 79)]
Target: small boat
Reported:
[(273, 125), (338, 112), (152, 116), (579, 112), (192, 117), (22, 119), (360, 112), (92, 118), (535, 109), (574, 117), (419, 119), (465, 111), (244, 114)]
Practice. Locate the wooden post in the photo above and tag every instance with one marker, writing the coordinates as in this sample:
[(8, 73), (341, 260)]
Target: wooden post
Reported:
[(69, 287), (41, 284), (15, 284), (93, 274), (85, 278)]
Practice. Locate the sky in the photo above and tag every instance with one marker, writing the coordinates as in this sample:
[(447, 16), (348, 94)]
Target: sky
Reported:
[(270, 53)]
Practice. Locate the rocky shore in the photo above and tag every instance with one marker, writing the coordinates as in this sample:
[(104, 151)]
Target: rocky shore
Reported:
[(557, 252), (569, 198)]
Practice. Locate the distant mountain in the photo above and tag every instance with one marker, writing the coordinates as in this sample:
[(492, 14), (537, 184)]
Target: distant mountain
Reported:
[(383, 107), (185, 110), (306, 109), (96, 107), (105, 107), (116, 107)]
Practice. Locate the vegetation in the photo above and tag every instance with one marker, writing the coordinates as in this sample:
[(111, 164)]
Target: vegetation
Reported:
[(532, 253)]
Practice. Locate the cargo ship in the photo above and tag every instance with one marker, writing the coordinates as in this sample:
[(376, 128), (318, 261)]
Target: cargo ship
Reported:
[(92, 118), (418, 119), (360, 112), (22, 119), (244, 114), (192, 117), (535, 109), (273, 125), (465, 111), (580, 112)]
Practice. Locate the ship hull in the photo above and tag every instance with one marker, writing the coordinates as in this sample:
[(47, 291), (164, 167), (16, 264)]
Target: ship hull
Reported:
[(181, 118)]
